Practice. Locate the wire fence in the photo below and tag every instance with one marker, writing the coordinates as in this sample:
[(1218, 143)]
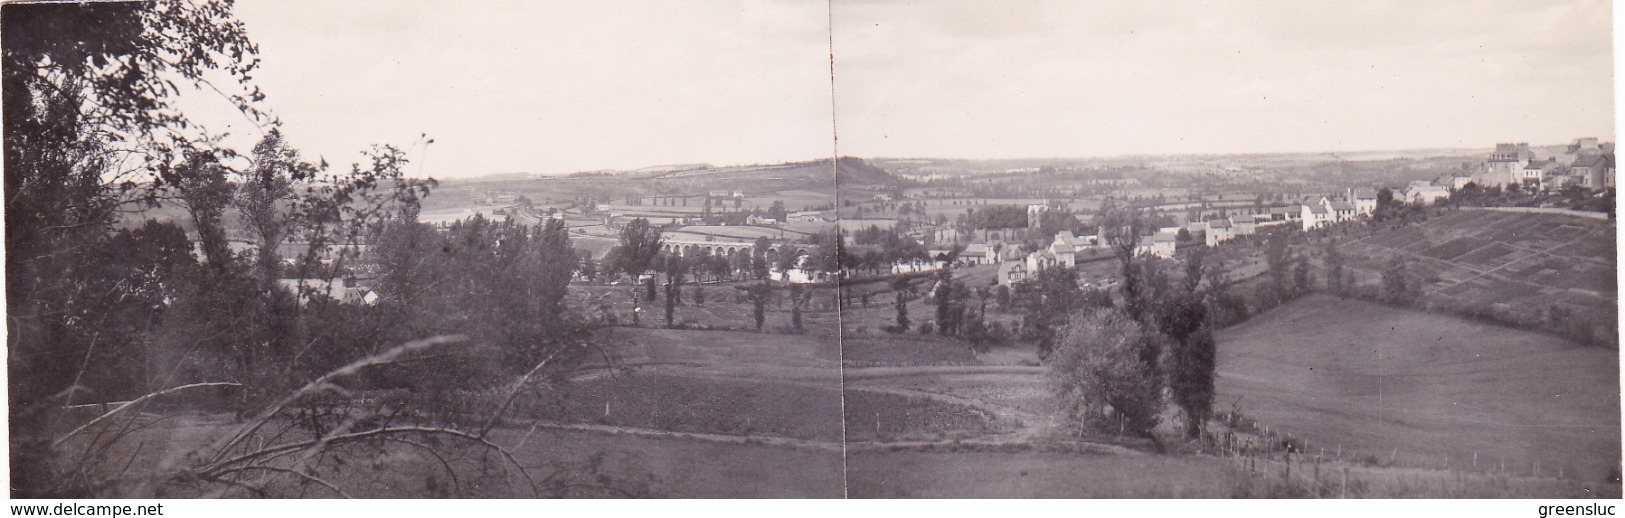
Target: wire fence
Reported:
[(1297, 467)]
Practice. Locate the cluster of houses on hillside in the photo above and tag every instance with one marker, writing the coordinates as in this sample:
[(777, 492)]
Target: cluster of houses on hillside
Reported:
[(1586, 163)]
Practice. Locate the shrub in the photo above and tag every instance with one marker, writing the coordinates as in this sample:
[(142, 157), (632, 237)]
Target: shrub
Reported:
[(1099, 376)]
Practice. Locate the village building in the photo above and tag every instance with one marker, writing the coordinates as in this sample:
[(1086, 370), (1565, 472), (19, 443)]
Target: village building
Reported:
[(1314, 215), (807, 216), (760, 220), (1580, 148), (1505, 165), (1591, 171), (1044, 258), (1453, 182), (1423, 193), (1218, 231), (977, 254), (1064, 240), (1364, 200), (1536, 171), (1340, 210), (1012, 272), (1244, 225), (1287, 213), (1160, 245)]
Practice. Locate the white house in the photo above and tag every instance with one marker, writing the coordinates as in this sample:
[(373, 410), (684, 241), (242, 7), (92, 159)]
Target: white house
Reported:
[(809, 216), (1339, 210), (1314, 215), (1218, 231), (1244, 225), (1066, 246), (1535, 172), (1424, 193), (1287, 213), (1160, 245), (976, 254), (1012, 272), (1364, 199), (1044, 258)]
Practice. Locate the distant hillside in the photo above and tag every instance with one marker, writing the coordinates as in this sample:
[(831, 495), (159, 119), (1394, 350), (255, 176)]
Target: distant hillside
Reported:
[(854, 171)]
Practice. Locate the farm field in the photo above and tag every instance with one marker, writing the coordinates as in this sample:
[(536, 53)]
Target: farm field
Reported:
[(990, 474), (1533, 262), (1425, 390)]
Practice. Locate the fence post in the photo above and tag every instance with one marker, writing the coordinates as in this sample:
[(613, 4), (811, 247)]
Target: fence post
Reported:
[(1345, 482), (1317, 477)]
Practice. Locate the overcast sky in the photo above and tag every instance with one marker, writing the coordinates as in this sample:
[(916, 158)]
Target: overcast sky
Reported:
[(549, 86), (1041, 79), (556, 87)]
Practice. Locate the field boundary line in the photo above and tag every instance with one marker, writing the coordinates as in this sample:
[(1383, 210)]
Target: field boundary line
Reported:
[(762, 440)]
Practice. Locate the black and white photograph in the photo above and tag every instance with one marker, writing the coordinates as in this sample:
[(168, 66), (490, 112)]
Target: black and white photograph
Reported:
[(826, 249)]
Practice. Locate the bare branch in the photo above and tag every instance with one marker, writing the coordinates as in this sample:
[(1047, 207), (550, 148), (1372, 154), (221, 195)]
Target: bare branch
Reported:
[(140, 400), (325, 381), (301, 474), (514, 391), (221, 467)]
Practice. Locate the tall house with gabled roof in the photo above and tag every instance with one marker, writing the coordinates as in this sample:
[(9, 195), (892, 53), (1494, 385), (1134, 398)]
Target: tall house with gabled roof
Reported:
[(1505, 165)]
